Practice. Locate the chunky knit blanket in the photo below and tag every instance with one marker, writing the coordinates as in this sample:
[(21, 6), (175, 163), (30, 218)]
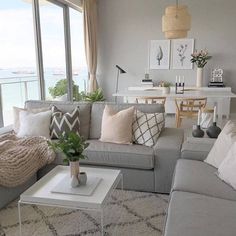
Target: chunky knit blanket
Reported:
[(21, 158)]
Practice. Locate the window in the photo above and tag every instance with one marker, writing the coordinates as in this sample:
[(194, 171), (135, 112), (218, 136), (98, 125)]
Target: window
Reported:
[(79, 67), (18, 74), (53, 48), (41, 55)]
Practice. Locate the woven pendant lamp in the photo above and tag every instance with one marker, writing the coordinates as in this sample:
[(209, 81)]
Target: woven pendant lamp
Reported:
[(176, 22)]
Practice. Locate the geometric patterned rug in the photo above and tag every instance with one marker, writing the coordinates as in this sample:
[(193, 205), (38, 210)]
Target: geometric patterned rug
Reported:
[(128, 213)]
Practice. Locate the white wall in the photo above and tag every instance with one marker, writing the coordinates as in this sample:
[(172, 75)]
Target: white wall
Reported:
[(125, 26)]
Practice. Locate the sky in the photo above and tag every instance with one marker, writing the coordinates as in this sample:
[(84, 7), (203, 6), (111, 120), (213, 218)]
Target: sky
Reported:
[(17, 46)]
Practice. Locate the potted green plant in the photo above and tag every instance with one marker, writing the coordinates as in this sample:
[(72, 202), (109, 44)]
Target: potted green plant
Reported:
[(165, 86), (95, 96), (72, 146)]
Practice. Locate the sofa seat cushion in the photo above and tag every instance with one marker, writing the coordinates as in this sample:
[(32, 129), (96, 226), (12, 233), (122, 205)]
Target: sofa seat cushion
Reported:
[(195, 215), (199, 177), (118, 155)]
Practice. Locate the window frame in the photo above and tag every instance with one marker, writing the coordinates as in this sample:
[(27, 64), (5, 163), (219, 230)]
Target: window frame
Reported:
[(39, 52), (65, 5)]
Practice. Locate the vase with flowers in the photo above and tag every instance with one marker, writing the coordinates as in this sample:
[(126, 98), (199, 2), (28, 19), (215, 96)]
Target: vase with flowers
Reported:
[(71, 145), (200, 58)]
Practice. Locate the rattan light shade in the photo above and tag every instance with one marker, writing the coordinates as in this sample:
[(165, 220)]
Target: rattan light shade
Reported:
[(176, 22)]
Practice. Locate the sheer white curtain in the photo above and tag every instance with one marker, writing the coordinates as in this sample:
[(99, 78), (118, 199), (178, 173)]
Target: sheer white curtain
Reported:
[(90, 40)]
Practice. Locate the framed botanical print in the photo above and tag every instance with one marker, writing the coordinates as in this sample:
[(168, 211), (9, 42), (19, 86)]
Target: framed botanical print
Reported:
[(181, 53), (159, 54)]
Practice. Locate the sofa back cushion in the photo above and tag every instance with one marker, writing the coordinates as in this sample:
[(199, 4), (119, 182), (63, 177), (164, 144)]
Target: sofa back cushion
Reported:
[(117, 126), (98, 108), (84, 107)]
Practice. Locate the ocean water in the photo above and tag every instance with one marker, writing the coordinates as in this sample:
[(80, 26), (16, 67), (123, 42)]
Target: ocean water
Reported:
[(19, 85)]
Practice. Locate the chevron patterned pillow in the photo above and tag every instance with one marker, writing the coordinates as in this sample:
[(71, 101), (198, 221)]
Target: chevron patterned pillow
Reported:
[(64, 122), (147, 127)]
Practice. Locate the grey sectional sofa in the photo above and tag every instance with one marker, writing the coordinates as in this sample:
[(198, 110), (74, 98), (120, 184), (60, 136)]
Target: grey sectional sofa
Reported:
[(143, 168), (200, 204)]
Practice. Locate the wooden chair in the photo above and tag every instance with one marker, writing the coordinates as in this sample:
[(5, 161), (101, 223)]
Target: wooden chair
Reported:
[(188, 108), (151, 100)]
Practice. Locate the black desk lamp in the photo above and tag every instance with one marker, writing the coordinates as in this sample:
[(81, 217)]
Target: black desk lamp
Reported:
[(119, 71)]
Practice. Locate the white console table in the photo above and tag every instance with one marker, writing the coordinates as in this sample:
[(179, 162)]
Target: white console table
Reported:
[(220, 97)]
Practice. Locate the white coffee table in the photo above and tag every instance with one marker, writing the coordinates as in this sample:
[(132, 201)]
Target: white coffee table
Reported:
[(40, 193)]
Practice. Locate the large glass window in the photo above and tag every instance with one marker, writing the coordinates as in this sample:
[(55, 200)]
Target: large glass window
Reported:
[(53, 47), (79, 67), (18, 74), (19, 80)]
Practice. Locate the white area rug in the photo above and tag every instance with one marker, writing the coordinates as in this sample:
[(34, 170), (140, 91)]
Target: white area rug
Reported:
[(127, 213)]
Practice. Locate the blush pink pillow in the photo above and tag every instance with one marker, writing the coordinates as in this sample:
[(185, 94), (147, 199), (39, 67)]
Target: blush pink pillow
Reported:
[(117, 126)]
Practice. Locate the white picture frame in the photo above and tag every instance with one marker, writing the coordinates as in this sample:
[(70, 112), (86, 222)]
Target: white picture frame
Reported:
[(181, 53), (159, 54)]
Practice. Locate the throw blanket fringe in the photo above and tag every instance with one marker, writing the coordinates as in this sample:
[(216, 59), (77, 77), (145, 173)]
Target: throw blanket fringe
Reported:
[(21, 158)]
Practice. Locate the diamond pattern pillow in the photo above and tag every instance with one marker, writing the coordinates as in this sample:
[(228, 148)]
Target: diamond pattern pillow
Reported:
[(147, 127), (64, 122)]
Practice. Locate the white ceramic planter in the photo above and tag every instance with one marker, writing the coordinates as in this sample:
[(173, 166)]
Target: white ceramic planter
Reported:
[(199, 81), (166, 90), (74, 181)]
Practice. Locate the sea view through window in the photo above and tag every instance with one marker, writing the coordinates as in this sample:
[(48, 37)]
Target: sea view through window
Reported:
[(19, 80)]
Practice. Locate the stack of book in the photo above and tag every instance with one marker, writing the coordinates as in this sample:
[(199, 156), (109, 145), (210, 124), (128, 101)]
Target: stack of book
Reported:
[(147, 83), (216, 84)]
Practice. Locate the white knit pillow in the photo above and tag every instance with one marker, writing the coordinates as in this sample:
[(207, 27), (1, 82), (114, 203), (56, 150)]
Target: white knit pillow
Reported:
[(16, 115), (34, 124), (222, 145), (227, 169), (147, 127)]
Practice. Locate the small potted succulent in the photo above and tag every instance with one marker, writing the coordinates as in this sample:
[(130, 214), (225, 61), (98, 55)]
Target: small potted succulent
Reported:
[(72, 146), (165, 87)]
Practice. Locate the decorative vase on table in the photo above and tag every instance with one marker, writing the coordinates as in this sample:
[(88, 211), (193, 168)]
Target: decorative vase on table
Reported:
[(213, 131), (199, 81), (198, 132), (72, 146), (82, 178), (200, 58), (166, 90), (74, 168), (74, 173)]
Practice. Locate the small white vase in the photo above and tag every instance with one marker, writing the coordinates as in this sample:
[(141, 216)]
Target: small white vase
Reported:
[(166, 90), (199, 81), (74, 181), (82, 178)]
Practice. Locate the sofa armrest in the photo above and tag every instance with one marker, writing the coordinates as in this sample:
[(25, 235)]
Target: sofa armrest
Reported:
[(167, 151), (6, 129), (196, 148)]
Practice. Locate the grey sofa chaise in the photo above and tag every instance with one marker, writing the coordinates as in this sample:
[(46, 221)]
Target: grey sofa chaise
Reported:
[(143, 168), (200, 204)]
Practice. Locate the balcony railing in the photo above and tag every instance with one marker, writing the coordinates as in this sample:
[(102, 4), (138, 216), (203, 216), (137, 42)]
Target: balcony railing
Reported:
[(14, 91)]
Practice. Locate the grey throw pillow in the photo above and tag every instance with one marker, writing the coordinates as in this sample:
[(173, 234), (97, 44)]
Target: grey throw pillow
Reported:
[(64, 122)]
